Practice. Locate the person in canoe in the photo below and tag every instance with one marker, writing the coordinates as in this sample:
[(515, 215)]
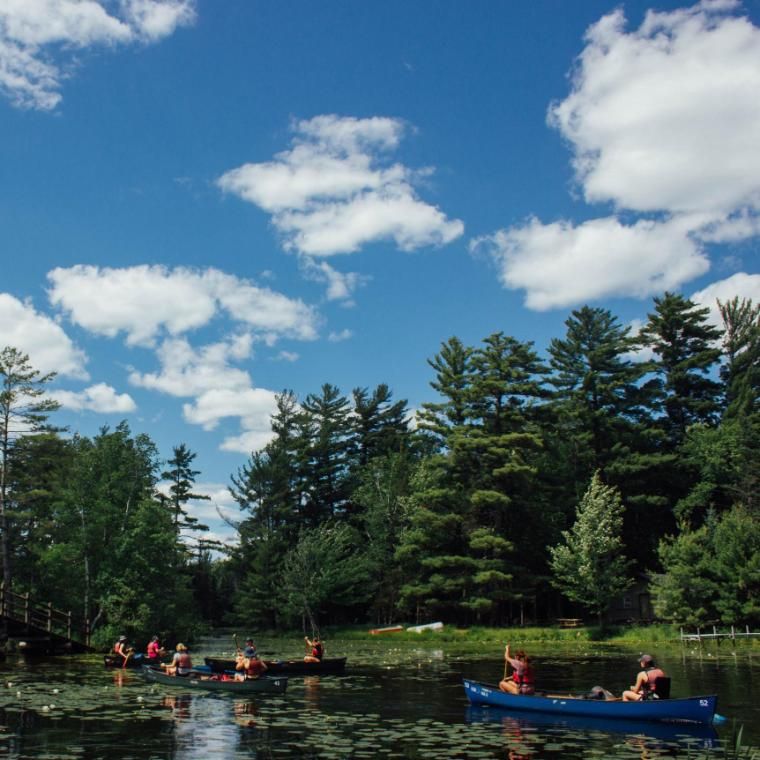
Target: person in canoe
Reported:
[(250, 648), (317, 649), (521, 681), (122, 649), (154, 652), (181, 663), (645, 686), (249, 668)]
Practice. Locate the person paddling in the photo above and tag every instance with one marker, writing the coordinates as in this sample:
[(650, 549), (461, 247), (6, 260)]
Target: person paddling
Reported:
[(155, 651), (317, 649), (249, 668), (181, 664), (522, 681), (122, 648), (646, 681)]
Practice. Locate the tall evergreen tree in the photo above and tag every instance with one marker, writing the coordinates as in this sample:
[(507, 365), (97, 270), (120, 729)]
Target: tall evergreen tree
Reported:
[(379, 423), (181, 476), (24, 410), (326, 429), (597, 393), (687, 351), (452, 381), (741, 348)]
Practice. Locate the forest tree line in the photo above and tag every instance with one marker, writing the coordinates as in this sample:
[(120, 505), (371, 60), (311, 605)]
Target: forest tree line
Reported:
[(613, 457)]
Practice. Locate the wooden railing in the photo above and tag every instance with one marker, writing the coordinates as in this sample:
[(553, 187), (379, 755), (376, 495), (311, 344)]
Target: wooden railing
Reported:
[(45, 618)]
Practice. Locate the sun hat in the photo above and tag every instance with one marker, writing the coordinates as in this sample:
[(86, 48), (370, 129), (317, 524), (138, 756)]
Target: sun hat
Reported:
[(646, 660)]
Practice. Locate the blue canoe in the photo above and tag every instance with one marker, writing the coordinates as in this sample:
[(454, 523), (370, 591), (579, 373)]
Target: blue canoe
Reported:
[(696, 734), (688, 710)]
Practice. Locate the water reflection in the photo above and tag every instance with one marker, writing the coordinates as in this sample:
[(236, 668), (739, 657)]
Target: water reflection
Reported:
[(645, 736), (394, 701)]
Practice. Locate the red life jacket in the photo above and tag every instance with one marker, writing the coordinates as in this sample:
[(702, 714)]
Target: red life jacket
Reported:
[(524, 678), (184, 662), (316, 650), (652, 675)]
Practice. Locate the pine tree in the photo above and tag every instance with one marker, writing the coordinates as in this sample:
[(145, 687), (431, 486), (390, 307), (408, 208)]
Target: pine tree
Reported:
[(687, 351), (24, 410), (182, 478), (326, 430)]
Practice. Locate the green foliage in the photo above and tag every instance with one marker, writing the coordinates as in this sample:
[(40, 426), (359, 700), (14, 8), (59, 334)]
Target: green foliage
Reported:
[(324, 569), (589, 567), (711, 574)]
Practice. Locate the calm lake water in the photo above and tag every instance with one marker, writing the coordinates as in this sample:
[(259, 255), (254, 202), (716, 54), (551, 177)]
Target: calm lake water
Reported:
[(397, 699)]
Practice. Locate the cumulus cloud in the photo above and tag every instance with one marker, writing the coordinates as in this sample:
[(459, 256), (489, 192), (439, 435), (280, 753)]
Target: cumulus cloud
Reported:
[(186, 371), (335, 191), (560, 264), (35, 334), (740, 285), (143, 301), (340, 286), (340, 335), (39, 38), (667, 116), (97, 398), (663, 123), (253, 406), (219, 390)]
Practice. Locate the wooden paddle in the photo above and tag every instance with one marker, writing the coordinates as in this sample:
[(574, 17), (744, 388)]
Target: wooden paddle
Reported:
[(126, 659), (506, 663), (235, 639)]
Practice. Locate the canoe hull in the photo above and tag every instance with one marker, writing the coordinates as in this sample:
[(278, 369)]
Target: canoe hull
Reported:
[(262, 685), (328, 666), (703, 733), (688, 710)]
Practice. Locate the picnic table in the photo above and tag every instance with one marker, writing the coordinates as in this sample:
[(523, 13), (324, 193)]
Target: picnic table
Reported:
[(569, 622)]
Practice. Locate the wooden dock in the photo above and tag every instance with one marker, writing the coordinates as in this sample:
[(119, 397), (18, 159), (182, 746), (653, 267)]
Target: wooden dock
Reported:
[(39, 627), (733, 634)]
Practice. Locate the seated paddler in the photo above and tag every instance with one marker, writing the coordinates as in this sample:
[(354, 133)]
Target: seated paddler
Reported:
[(521, 680), (249, 668), (647, 685)]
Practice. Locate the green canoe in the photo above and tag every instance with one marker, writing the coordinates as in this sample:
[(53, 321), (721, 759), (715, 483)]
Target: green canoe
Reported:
[(261, 685)]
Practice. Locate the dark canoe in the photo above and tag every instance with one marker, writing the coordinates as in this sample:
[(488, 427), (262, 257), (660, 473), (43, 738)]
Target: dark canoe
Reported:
[(688, 710), (264, 685), (116, 661), (328, 666)]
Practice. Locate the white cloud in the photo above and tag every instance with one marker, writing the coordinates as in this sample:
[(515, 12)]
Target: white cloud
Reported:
[(38, 38), (663, 122), (340, 285), (334, 191), (561, 264), (739, 285), (245, 443), (97, 398), (667, 116), (143, 301), (186, 371), (153, 20), (287, 356), (48, 346), (339, 336), (254, 406)]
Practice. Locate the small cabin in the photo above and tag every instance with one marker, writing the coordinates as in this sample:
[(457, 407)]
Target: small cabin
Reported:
[(633, 605)]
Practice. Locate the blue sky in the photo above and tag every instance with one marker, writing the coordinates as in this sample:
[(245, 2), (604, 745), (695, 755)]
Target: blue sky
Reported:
[(204, 203)]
